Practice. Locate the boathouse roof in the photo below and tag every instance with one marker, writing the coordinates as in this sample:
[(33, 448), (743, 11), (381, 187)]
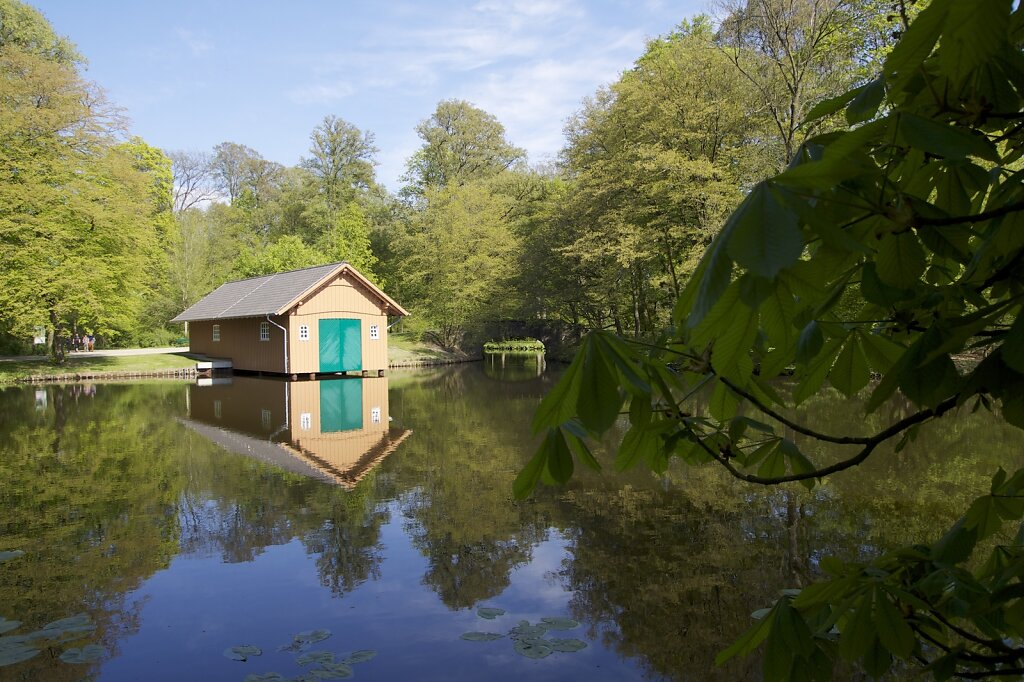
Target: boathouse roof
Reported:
[(275, 294)]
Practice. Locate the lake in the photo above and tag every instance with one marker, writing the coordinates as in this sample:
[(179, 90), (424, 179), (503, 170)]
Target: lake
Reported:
[(365, 526)]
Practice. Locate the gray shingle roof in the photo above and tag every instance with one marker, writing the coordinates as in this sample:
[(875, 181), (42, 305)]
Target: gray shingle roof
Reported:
[(256, 296)]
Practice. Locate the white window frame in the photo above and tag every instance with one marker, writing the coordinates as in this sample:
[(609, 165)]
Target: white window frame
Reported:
[(264, 331), (375, 415), (303, 332), (216, 332), (306, 421), (374, 332)]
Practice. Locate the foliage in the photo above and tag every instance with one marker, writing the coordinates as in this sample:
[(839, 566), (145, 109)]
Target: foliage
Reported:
[(459, 259), (461, 143), (81, 212), (514, 345), (915, 211)]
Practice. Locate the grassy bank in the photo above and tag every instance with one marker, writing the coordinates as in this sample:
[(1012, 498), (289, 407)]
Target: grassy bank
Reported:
[(13, 371)]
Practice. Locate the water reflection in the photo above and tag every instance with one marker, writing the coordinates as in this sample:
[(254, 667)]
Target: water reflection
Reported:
[(514, 365), (158, 510), (334, 430)]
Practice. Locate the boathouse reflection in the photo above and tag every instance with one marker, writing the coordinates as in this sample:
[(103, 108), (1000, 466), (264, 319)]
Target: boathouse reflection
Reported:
[(336, 430)]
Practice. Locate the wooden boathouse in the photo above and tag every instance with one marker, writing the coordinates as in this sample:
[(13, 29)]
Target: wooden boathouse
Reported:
[(327, 319)]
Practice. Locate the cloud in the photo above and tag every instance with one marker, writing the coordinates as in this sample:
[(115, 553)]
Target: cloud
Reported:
[(321, 93), (197, 45)]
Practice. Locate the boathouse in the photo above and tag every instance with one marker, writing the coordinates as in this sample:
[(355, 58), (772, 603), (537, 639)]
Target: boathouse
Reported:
[(319, 320)]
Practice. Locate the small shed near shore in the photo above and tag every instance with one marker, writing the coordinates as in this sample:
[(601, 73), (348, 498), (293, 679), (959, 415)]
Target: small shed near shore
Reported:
[(324, 319)]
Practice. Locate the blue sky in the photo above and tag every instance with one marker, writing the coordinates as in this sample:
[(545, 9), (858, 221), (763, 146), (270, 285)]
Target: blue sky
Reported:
[(192, 74)]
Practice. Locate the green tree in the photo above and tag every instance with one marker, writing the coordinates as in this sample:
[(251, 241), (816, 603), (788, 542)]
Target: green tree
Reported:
[(287, 253), (915, 214), (459, 260), (461, 143), (79, 210), (797, 52), (341, 160)]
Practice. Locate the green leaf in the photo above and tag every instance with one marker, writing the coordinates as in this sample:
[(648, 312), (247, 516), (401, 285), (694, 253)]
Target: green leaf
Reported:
[(901, 260), (315, 657), (530, 475), (832, 105), (944, 140), (559, 460), (489, 612), (876, 292), (638, 442), (567, 646), (559, 623), (599, 399), (851, 372), (559, 406), (763, 235), (809, 343), (480, 636), (16, 652), (707, 284), (750, 639), (857, 635), (774, 465), (730, 356), (917, 41), (723, 403), (265, 677), (532, 648), (578, 446), (332, 671), (865, 105), (360, 656), (893, 631)]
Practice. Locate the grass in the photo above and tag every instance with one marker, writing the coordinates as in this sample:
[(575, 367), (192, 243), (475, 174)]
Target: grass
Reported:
[(12, 371), (404, 347)]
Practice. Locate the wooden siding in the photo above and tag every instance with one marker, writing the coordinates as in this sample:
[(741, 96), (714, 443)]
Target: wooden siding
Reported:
[(246, 405), (240, 343), (344, 298)]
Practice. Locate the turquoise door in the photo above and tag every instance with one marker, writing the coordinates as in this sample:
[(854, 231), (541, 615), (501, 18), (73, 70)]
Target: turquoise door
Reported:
[(341, 405), (341, 346)]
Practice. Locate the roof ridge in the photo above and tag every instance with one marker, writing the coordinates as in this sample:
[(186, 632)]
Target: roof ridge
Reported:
[(285, 272)]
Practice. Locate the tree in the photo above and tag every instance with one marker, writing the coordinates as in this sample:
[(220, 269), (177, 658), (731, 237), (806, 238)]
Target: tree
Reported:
[(459, 260), (287, 253), (341, 159), (795, 53), (237, 168), (911, 219), (78, 208), (24, 28), (461, 143), (193, 179)]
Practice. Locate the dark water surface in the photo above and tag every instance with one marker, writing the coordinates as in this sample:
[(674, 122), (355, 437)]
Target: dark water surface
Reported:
[(184, 520)]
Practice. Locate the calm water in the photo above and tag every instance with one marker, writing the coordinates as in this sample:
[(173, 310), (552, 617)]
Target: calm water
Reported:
[(185, 520)]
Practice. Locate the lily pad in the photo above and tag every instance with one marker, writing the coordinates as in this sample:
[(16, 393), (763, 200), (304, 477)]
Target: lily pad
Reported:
[(480, 636), (14, 650), (65, 628), (11, 554), (489, 613), (567, 646), (8, 625), (304, 640), (315, 657), (265, 677), (242, 653), (361, 656), (532, 648), (553, 623), (525, 631), (87, 654), (333, 671)]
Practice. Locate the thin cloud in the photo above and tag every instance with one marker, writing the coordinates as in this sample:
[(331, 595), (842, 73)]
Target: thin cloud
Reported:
[(197, 45), (321, 93)]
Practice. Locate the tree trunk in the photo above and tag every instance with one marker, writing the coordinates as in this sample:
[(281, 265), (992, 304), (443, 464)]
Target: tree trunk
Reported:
[(56, 340)]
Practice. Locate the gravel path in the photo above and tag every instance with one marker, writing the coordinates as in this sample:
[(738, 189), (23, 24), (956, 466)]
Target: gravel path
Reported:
[(101, 353)]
